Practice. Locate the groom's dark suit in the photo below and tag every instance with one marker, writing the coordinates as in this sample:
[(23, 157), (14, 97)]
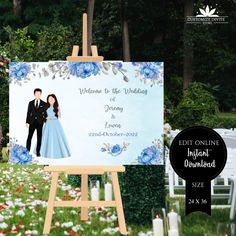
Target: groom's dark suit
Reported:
[(35, 118)]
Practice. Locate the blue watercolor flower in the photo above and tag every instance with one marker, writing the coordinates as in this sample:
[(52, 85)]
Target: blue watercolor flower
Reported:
[(118, 65), (19, 70), (20, 155), (149, 156), (157, 63), (116, 150), (84, 69), (149, 70), (136, 63)]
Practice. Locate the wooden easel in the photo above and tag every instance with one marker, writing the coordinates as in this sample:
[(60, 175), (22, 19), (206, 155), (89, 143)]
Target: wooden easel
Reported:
[(84, 171), (85, 57)]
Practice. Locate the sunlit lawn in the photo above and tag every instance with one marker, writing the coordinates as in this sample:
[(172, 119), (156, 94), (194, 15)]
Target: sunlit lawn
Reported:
[(198, 223), (227, 115), (23, 198)]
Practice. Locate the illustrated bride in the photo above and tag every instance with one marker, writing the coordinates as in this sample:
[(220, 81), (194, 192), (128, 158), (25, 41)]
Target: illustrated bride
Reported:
[(54, 142)]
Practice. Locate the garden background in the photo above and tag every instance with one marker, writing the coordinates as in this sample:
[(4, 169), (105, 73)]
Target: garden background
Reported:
[(200, 80)]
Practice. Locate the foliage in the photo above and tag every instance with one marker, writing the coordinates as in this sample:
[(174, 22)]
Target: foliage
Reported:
[(54, 42), (215, 56), (197, 103), (75, 180), (142, 189), (4, 155), (167, 108), (4, 93), (216, 121), (167, 136), (174, 89), (20, 44), (212, 121), (107, 33), (7, 17), (160, 38)]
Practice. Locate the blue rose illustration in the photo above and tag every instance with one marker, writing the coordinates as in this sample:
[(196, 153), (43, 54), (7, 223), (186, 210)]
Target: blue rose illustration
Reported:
[(116, 150), (19, 70), (149, 70), (118, 65), (84, 69), (157, 63), (136, 63), (20, 155), (149, 156)]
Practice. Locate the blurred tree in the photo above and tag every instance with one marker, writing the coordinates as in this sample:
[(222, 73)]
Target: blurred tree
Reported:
[(4, 95), (54, 42), (156, 33), (20, 44), (188, 46), (17, 7), (107, 33), (125, 31), (90, 11)]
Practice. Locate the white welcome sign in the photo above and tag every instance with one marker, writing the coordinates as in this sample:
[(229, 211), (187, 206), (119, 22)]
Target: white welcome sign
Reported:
[(107, 113)]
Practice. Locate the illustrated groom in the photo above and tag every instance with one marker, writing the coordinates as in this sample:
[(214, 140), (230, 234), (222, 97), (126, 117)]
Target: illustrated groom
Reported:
[(35, 119)]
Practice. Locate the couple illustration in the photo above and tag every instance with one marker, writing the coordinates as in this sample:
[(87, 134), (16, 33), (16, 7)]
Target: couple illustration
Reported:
[(43, 117)]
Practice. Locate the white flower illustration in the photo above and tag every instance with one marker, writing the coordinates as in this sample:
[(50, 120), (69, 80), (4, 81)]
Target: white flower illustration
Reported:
[(207, 12)]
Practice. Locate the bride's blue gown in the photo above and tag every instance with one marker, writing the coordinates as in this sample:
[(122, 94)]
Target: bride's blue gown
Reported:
[(54, 142)]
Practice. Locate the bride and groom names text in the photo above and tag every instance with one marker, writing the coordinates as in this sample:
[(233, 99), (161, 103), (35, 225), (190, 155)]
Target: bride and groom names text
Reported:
[(199, 154), (111, 108)]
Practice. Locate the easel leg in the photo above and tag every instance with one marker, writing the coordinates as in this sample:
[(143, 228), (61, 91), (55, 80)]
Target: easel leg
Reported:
[(84, 192), (51, 200), (233, 201), (119, 205)]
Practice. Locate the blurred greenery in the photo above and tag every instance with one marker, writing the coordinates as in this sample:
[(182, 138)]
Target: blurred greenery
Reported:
[(198, 223), (196, 104), (219, 121), (4, 155), (142, 189), (20, 43), (227, 115)]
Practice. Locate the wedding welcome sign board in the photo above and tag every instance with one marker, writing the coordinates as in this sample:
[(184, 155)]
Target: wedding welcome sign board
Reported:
[(86, 113)]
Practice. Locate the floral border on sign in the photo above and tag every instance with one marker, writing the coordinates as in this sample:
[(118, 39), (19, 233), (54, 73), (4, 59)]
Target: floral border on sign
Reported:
[(114, 150), (148, 72), (20, 71), (19, 154), (151, 155)]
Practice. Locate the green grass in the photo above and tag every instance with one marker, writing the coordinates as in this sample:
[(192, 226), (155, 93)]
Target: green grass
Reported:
[(198, 223), (23, 185), (4, 155), (27, 184), (227, 115)]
